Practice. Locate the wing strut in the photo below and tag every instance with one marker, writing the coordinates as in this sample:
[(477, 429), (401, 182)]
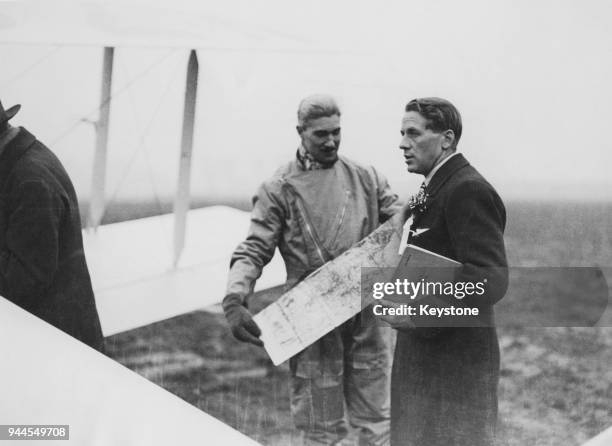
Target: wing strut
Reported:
[(181, 202), (96, 203)]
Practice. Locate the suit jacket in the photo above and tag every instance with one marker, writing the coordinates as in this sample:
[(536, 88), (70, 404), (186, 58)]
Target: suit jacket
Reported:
[(42, 263), (444, 381)]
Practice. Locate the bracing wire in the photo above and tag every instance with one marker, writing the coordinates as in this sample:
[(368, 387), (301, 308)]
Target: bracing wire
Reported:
[(117, 93), (142, 145), (30, 67)]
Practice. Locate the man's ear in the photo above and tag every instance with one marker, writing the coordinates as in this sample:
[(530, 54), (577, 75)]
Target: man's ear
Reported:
[(299, 129), (448, 139)]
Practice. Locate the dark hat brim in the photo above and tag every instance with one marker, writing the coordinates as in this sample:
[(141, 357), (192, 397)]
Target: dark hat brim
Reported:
[(12, 111)]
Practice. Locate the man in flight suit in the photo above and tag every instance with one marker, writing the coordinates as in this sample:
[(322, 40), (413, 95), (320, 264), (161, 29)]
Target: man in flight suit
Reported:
[(313, 209)]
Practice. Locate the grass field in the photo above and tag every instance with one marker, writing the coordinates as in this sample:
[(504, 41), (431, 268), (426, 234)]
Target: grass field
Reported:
[(556, 383)]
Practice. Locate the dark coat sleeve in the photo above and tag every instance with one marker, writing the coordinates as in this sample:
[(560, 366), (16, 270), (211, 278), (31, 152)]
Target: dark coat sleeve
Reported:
[(477, 217), (29, 257)]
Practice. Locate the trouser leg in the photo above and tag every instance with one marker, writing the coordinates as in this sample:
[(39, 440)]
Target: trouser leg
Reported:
[(367, 379), (317, 392), (318, 411)]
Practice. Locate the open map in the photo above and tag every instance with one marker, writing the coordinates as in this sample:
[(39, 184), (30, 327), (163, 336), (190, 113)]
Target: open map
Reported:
[(328, 297)]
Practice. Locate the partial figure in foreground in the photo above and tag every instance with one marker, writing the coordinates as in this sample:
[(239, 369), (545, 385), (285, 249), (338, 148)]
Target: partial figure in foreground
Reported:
[(42, 263), (444, 380), (313, 209)]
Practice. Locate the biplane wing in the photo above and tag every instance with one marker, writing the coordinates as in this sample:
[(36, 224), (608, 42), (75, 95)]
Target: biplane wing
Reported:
[(135, 282), (52, 379), (158, 24)]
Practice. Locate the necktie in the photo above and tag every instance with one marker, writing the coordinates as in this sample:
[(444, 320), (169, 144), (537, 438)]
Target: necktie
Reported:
[(416, 203)]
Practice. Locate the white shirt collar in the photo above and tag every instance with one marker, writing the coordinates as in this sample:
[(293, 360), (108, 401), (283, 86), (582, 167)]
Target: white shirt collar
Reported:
[(437, 167)]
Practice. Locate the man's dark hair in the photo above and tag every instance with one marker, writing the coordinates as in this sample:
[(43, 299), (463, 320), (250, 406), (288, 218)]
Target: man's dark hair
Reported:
[(441, 115)]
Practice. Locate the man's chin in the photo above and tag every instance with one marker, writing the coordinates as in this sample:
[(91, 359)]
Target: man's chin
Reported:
[(328, 160)]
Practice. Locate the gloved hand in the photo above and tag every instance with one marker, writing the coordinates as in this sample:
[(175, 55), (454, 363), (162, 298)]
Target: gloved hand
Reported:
[(241, 320)]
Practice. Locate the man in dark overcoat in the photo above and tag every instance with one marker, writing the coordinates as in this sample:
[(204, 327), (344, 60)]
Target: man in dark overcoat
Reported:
[(42, 263), (444, 379)]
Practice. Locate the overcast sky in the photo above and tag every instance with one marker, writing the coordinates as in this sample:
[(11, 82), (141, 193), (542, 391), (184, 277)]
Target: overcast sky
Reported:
[(531, 79)]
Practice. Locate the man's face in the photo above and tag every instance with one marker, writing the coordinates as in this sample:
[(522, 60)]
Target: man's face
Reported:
[(321, 138), (422, 147)]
